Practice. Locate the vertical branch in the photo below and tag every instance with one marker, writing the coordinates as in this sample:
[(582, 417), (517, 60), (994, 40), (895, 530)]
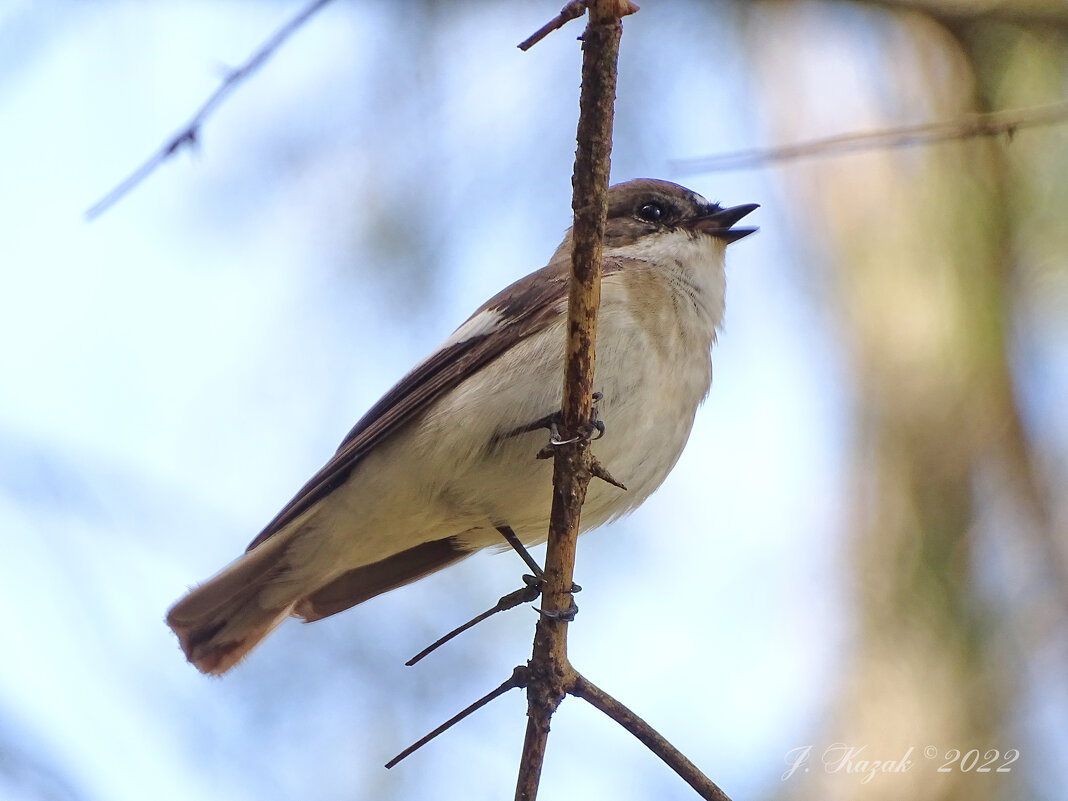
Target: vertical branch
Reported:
[(550, 672)]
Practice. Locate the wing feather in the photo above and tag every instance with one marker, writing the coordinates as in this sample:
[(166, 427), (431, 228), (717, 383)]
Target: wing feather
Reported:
[(524, 308)]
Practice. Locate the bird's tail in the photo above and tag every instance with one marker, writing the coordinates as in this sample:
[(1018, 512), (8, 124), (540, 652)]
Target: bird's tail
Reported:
[(224, 618), (221, 620)]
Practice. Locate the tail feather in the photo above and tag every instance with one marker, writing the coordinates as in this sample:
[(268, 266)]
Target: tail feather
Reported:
[(224, 618), (221, 620)]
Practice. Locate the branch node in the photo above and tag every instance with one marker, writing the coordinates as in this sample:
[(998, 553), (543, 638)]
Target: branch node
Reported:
[(186, 137)]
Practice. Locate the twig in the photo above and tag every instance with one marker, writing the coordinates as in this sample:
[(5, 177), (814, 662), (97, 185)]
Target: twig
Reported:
[(573, 10), (993, 124), (191, 132), (517, 679), (648, 736), (505, 602)]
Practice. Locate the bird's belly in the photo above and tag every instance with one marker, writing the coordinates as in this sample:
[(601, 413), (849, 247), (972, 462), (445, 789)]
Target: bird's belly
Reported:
[(648, 402), (461, 472)]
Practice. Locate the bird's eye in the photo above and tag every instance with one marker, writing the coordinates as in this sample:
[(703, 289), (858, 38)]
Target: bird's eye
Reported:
[(651, 212)]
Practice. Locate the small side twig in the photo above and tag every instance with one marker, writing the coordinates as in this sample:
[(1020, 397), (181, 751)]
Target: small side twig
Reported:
[(996, 123), (504, 603), (573, 10), (189, 134), (517, 679), (582, 688)]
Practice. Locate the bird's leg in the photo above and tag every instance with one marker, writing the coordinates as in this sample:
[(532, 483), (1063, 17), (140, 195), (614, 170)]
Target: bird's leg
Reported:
[(563, 614), (524, 554), (530, 591), (595, 424), (552, 422)]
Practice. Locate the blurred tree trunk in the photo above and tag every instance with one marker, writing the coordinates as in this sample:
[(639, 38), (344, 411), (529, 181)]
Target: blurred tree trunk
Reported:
[(920, 278)]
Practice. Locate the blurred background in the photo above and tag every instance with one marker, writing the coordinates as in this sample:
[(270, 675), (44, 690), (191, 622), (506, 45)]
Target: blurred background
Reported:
[(863, 545)]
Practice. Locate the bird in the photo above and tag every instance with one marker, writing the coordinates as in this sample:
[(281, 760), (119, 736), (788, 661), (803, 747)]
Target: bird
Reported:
[(444, 463)]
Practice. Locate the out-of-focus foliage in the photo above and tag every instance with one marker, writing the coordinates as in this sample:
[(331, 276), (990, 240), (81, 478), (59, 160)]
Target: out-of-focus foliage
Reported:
[(946, 272)]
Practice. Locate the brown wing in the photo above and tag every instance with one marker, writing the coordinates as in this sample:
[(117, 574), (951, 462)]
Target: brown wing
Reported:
[(525, 307)]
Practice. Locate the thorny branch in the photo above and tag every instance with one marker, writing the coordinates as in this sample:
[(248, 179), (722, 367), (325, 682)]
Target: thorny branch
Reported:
[(549, 669), (188, 135)]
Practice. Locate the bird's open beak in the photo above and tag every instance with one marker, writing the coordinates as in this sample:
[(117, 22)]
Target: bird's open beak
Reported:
[(718, 223)]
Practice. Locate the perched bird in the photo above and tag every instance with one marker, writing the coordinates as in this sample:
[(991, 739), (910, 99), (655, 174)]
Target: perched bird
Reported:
[(445, 461)]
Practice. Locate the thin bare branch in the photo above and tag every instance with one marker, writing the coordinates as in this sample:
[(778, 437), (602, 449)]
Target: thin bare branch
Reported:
[(190, 134), (573, 10), (996, 123), (648, 736), (517, 679), (505, 602)]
